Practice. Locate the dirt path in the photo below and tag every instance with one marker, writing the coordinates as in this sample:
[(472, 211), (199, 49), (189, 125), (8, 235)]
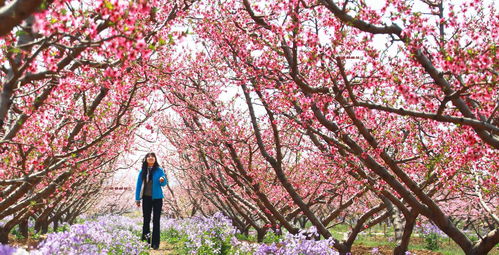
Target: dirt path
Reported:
[(164, 248)]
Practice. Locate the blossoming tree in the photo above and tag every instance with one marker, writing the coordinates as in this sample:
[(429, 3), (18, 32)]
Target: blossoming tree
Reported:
[(288, 110), (399, 93), (64, 114)]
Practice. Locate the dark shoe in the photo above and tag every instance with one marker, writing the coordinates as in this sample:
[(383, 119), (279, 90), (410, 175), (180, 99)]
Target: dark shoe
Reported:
[(155, 247)]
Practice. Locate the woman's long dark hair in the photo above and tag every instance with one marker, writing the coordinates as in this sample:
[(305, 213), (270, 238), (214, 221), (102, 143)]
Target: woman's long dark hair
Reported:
[(144, 165)]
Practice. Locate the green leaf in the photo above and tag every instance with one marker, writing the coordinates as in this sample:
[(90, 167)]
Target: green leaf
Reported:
[(15, 50), (21, 32), (161, 41), (170, 39), (44, 5), (108, 5)]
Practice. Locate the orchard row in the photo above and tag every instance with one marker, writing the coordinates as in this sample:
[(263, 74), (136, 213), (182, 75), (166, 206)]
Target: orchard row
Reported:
[(280, 112)]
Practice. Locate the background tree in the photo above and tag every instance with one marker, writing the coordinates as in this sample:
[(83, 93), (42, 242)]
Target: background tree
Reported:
[(63, 112)]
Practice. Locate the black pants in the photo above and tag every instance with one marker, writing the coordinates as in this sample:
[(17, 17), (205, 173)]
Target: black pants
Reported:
[(151, 205)]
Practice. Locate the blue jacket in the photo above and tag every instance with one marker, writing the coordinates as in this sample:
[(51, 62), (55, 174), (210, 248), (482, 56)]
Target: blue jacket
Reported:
[(157, 192)]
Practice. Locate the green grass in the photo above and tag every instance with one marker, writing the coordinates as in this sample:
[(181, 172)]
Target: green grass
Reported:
[(379, 236), (446, 247), (176, 239), (249, 238), (382, 236)]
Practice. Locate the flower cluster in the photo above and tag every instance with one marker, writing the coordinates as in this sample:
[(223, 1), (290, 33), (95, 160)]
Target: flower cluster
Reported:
[(104, 235), (8, 250), (431, 235), (428, 228), (206, 235), (216, 235), (301, 243)]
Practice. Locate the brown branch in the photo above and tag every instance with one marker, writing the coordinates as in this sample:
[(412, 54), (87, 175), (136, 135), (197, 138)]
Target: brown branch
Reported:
[(258, 19), (360, 24), (16, 11), (442, 118)]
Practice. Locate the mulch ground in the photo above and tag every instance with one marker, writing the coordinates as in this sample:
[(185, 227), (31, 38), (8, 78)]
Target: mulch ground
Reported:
[(164, 248), (25, 243), (361, 250)]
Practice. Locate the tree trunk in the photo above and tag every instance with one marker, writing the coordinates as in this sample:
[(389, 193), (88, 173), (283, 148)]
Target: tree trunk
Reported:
[(260, 234), (45, 227), (403, 243), (398, 227), (56, 224), (4, 235), (23, 228)]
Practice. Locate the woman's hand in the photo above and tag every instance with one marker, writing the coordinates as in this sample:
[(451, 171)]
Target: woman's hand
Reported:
[(137, 203), (161, 179)]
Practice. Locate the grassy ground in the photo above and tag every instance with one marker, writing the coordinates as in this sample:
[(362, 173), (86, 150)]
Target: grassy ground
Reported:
[(378, 238), (382, 238)]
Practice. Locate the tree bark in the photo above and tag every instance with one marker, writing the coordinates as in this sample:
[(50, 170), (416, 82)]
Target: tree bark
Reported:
[(16, 11), (403, 242), (4, 235), (398, 226)]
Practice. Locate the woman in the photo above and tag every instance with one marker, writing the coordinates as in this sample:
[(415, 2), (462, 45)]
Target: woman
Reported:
[(151, 179)]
